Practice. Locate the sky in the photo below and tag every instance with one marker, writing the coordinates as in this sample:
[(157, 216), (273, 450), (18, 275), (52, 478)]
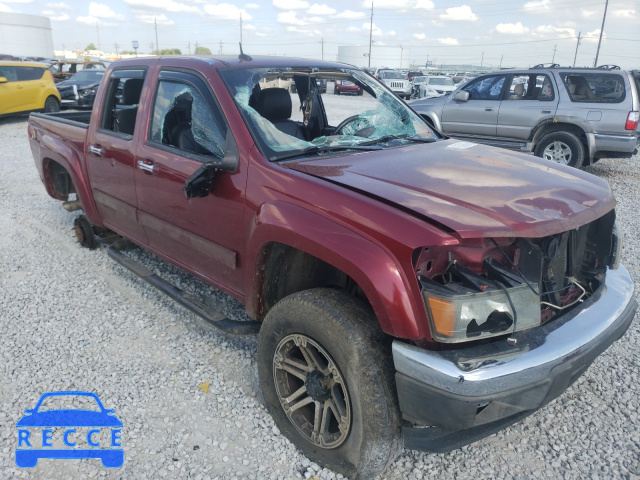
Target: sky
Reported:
[(491, 33)]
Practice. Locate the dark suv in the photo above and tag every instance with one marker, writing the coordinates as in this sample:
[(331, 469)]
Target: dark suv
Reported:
[(569, 115)]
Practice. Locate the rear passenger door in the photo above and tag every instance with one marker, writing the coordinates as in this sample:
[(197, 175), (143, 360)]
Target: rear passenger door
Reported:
[(110, 152), (31, 87), (479, 114), (186, 130), (529, 99)]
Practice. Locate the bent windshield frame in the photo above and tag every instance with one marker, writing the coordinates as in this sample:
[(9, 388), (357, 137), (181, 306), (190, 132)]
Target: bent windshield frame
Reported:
[(285, 124)]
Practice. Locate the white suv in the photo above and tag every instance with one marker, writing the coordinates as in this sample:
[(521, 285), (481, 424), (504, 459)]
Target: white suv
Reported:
[(396, 81)]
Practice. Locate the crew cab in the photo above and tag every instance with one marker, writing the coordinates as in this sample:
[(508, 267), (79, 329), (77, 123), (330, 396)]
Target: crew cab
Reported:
[(398, 279)]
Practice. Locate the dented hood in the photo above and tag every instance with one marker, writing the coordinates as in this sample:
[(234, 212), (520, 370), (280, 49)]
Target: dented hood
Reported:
[(474, 190)]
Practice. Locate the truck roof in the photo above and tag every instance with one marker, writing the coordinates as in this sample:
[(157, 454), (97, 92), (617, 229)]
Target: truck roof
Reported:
[(219, 61)]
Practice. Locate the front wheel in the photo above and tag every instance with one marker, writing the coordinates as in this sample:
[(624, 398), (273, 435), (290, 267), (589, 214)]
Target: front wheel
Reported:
[(561, 147), (327, 377), (51, 105)]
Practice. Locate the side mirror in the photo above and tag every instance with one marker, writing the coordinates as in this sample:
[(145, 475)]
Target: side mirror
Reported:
[(3, 80), (199, 184), (461, 96)]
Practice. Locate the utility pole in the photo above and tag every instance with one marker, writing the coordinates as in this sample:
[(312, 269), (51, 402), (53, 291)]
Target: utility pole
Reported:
[(322, 42), (189, 47), (156, 27), (482, 59), (577, 45), (555, 47), (370, 34), (604, 16), (117, 55), (401, 53), (501, 57), (98, 32), (220, 51)]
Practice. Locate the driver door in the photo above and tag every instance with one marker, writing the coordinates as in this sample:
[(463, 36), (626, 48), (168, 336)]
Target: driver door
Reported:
[(186, 130)]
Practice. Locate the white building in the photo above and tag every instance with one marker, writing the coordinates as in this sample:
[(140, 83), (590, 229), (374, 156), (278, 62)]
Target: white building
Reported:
[(25, 35)]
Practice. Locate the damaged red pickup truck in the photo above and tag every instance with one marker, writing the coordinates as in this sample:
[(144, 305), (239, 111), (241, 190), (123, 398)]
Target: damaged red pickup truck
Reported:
[(408, 289)]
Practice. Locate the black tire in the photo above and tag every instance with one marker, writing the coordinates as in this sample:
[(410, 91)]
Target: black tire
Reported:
[(51, 105), (330, 325), (360, 92), (336, 92), (562, 147)]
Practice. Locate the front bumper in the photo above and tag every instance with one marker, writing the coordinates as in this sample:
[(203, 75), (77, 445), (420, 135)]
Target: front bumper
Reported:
[(468, 394)]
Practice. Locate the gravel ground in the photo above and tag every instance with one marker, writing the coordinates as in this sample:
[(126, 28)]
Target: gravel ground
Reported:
[(72, 319)]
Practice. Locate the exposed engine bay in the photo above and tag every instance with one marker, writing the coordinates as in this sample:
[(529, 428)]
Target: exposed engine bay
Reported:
[(499, 286)]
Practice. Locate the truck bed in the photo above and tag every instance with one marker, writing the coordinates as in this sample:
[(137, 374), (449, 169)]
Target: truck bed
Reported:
[(77, 118)]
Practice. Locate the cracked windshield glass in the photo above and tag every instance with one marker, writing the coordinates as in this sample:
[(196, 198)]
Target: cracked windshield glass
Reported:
[(299, 111)]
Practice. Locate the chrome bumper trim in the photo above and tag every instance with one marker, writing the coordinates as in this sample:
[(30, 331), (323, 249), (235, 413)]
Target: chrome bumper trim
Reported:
[(498, 367)]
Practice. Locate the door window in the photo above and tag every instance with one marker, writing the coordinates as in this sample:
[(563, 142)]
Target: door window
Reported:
[(530, 87), (9, 73), (120, 104), (486, 88), (183, 119), (594, 87), (30, 73)]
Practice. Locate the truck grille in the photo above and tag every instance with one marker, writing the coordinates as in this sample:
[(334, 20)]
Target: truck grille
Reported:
[(397, 85)]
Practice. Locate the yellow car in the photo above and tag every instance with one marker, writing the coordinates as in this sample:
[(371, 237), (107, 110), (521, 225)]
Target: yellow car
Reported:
[(27, 86)]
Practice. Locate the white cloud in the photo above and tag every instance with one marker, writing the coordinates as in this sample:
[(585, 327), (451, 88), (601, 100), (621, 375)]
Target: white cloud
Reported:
[(588, 13), (323, 9), (100, 10), (252, 6), (87, 20), (353, 29), (511, 28), (18, 1), (226, 11), (594, 36), (59, 6), (459, 14), (419, 36), (391, 33), (350, 14), (389, 4), (305, 31), (5, 8), (425, 4), (548, 31), (291, 18), (56, 16), (290, 4), (624, 13), (166, 5), (448, 41), (537, 6), (159, 19)]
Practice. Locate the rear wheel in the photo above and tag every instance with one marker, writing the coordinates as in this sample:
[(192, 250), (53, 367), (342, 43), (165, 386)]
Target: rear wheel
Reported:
[(84, 232), (561, 147), (327, 378), (51, 105)]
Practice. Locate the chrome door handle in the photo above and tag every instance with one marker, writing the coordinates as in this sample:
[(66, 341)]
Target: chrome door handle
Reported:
[(96, 150), (146, 166), (546, 111), (488, 109)]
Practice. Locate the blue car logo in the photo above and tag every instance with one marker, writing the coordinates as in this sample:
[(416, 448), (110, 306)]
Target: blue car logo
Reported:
[(28, 451)]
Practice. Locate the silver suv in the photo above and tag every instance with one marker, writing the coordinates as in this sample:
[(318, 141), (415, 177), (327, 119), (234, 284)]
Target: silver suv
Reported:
[(573, 116)]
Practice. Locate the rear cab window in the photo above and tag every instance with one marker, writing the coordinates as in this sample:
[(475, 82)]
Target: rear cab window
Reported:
[(120, 103), (594, 87)]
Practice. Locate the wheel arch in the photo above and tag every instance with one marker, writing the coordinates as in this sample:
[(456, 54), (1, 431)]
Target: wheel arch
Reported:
[(558, 124), (287, 237), (63, 174)]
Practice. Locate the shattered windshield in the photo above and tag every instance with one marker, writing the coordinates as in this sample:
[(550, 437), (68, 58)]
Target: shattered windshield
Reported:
[(290, 113)]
